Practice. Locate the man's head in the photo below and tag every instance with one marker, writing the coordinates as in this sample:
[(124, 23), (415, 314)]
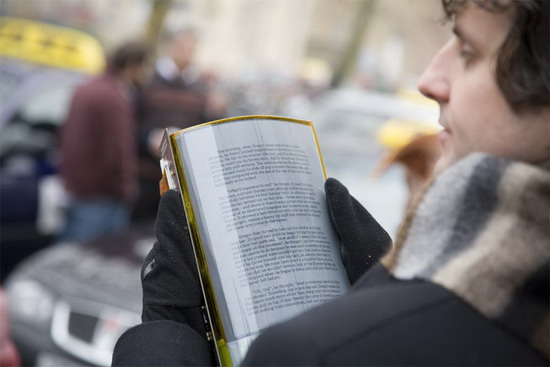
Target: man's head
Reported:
[(492, 80), (181, 48), (130, 61)]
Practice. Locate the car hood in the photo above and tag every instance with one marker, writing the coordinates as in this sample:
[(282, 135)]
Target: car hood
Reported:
[(105, 271)]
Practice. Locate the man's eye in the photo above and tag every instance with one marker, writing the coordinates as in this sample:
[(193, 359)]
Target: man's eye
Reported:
[(466, 54)]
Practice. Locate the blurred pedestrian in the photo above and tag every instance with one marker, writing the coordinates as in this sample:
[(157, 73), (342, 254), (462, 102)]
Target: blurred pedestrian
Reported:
[(178, 96), (98, 153), (468, 280)]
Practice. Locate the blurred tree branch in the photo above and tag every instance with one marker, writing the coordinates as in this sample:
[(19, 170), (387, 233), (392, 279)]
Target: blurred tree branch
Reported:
[(349, 58), (159, 10)]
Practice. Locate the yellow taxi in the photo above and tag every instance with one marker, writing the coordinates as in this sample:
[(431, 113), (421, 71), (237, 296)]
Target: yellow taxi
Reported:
[(50, 45)]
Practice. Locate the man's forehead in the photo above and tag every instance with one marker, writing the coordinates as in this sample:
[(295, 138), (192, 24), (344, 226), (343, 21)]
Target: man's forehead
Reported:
[(456, 6), (481, 27)]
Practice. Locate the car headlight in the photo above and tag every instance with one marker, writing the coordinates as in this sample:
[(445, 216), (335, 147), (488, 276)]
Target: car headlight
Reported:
[(28, 300)]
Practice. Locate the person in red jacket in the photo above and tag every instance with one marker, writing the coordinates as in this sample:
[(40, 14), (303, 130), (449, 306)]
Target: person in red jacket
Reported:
[(98, 153)]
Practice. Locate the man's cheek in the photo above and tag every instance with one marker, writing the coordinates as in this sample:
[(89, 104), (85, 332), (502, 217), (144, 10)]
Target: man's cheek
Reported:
[(447, 157), (442, 163)]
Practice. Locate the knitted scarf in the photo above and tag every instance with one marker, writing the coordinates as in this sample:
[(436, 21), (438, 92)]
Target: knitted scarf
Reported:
[(481, 229)]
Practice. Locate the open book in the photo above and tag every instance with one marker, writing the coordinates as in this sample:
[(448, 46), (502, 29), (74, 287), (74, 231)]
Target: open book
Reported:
[(253, 192)]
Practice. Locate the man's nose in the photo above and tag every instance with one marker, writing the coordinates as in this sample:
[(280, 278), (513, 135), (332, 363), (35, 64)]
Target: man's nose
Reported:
[(435, 81)]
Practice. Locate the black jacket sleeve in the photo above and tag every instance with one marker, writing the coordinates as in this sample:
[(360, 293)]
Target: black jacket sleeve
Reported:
[(162, 343)]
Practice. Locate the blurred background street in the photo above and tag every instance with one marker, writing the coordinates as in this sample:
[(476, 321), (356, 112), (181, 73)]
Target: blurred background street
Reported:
[(350, 66)]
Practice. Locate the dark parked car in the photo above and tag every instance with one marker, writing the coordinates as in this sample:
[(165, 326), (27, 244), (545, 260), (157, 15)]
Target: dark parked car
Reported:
[(34, 106), (67, 303), (41, 65)]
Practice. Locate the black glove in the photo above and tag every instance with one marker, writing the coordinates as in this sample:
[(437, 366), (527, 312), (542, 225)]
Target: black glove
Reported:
[(363, 241), (171, 286), (173, 329)]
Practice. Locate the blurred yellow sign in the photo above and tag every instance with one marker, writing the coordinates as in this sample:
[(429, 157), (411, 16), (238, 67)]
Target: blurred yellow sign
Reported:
[(414, 96), (50, 45), (395, 134)]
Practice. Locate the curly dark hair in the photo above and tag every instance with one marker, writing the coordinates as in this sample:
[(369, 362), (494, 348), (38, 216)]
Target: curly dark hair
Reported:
[(523, 65)]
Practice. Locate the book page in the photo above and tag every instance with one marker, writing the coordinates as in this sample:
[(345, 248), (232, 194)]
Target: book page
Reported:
[(263, 220)]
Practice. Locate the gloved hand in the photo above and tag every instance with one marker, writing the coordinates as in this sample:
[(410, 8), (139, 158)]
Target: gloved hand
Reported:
[(170, 281), (363, 241), (173, 329)]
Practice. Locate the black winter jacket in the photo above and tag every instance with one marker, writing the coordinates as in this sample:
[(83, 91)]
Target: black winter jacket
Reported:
[(380, 321)]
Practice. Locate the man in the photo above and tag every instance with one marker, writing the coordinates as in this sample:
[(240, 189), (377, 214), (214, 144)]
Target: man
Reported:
[(178, 96), (98, 148), (468, 280)]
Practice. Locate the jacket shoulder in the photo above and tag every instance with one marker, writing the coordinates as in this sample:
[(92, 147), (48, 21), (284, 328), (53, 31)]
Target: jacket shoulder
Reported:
[(97, 89), (395, 322)]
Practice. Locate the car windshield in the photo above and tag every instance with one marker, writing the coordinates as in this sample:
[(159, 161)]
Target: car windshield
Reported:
[(32, 125), (50, 105), (9, 82)]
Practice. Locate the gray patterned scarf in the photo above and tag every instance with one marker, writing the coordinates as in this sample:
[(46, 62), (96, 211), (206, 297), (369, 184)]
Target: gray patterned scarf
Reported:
[(482, 230)]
